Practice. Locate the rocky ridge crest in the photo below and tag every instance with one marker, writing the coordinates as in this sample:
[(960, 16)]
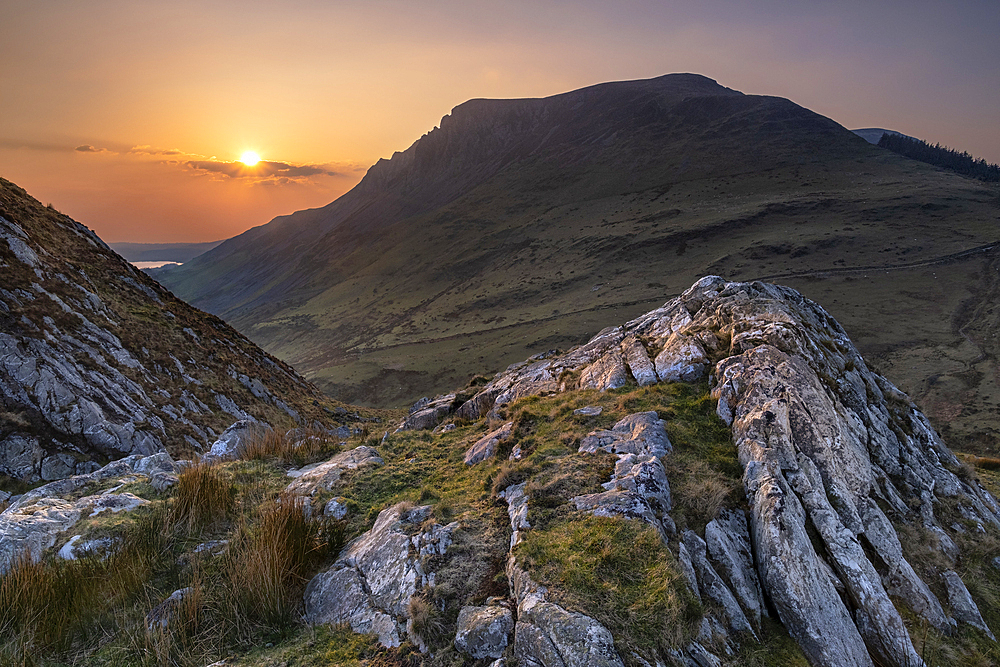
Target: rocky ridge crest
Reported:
[(836, 461)]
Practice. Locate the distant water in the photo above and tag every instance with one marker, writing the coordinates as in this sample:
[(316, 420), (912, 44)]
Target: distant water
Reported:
[(152, 265)]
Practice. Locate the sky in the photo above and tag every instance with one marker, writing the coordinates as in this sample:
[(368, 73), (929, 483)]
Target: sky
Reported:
[(131, 116)]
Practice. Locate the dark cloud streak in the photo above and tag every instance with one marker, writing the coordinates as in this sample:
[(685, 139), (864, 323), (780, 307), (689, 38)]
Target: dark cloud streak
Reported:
[(261, 170)]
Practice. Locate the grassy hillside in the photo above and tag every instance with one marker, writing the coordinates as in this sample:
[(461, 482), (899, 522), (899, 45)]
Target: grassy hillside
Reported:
[(82, 327)]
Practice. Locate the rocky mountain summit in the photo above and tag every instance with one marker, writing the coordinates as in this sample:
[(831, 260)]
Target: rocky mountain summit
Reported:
[(98, 361), (720, 481)]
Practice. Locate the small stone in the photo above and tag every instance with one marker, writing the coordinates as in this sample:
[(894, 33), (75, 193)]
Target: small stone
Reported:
[(962, 605), (589, 411), (486, 446), (336, 508)]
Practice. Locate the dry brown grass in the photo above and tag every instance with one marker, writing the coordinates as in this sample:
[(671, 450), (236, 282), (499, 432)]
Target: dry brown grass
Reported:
[(202, 497), (697, 489), (275, 552), (297, 447)]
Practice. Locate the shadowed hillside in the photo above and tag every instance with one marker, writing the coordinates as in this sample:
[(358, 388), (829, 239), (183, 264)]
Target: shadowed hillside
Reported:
[(98, 361)]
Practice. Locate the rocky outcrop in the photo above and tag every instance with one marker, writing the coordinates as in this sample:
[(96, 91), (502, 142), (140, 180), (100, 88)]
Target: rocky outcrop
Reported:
[(98, 361), (728, 543), (427, 413), (370, 585), (486, 446), (484, 632), (545, 634), (323, 476), (638, 488), (642, 433), (834, 456), (35, 521)]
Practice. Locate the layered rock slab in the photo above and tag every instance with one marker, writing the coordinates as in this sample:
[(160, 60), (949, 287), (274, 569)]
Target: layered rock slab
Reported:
[(370, 585), (825, 444)]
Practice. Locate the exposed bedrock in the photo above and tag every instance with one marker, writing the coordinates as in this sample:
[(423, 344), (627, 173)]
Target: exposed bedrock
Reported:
[(834, 456)]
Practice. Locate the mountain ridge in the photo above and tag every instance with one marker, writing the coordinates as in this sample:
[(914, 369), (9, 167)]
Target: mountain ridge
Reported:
[(587, 210)]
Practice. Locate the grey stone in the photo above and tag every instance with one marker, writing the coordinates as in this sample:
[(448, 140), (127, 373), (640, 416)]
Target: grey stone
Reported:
[(336, 508), (484, 632), (962, 605), (426, 414), (607, 372), (34, 521), (638, 361), (325, 475), (589, 411), (161, 615), (546, 634), (236, 436), (682, 359), (370, 585), (486, 446), (728, 541), (640, 433), (712, 585)]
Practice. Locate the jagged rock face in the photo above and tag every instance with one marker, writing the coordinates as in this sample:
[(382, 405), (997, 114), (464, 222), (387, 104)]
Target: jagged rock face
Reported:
[(833, 456), (483, 632), (98, 361), (545, 634)]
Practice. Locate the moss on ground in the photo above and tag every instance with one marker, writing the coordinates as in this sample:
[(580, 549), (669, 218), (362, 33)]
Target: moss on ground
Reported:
[(619, 572)]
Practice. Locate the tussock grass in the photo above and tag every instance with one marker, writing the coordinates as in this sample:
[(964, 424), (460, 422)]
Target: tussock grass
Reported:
[(297, 447), (275, 552), (202, 497)]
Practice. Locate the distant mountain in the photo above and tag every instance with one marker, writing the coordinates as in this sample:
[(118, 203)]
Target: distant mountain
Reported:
[(523, 225), (98, 361), (873, 134), (161, 252)]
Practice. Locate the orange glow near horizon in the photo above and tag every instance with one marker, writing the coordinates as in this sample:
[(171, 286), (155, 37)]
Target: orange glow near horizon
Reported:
[(117, 110)]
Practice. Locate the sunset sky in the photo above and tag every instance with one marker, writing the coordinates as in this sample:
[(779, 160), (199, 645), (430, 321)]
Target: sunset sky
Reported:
[(130, 116)]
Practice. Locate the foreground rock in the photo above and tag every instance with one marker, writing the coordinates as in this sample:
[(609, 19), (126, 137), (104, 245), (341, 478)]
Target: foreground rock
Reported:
[(483, 632), (834, 456), (370, 585), (35, 521), (545, 633)]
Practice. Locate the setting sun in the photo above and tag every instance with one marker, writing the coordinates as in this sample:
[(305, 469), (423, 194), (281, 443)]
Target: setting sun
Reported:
[(249, 158)]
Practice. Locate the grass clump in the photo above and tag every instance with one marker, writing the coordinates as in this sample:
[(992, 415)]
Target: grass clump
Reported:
[(619, 572), (296, 447), (202, 497), (275, 552)]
